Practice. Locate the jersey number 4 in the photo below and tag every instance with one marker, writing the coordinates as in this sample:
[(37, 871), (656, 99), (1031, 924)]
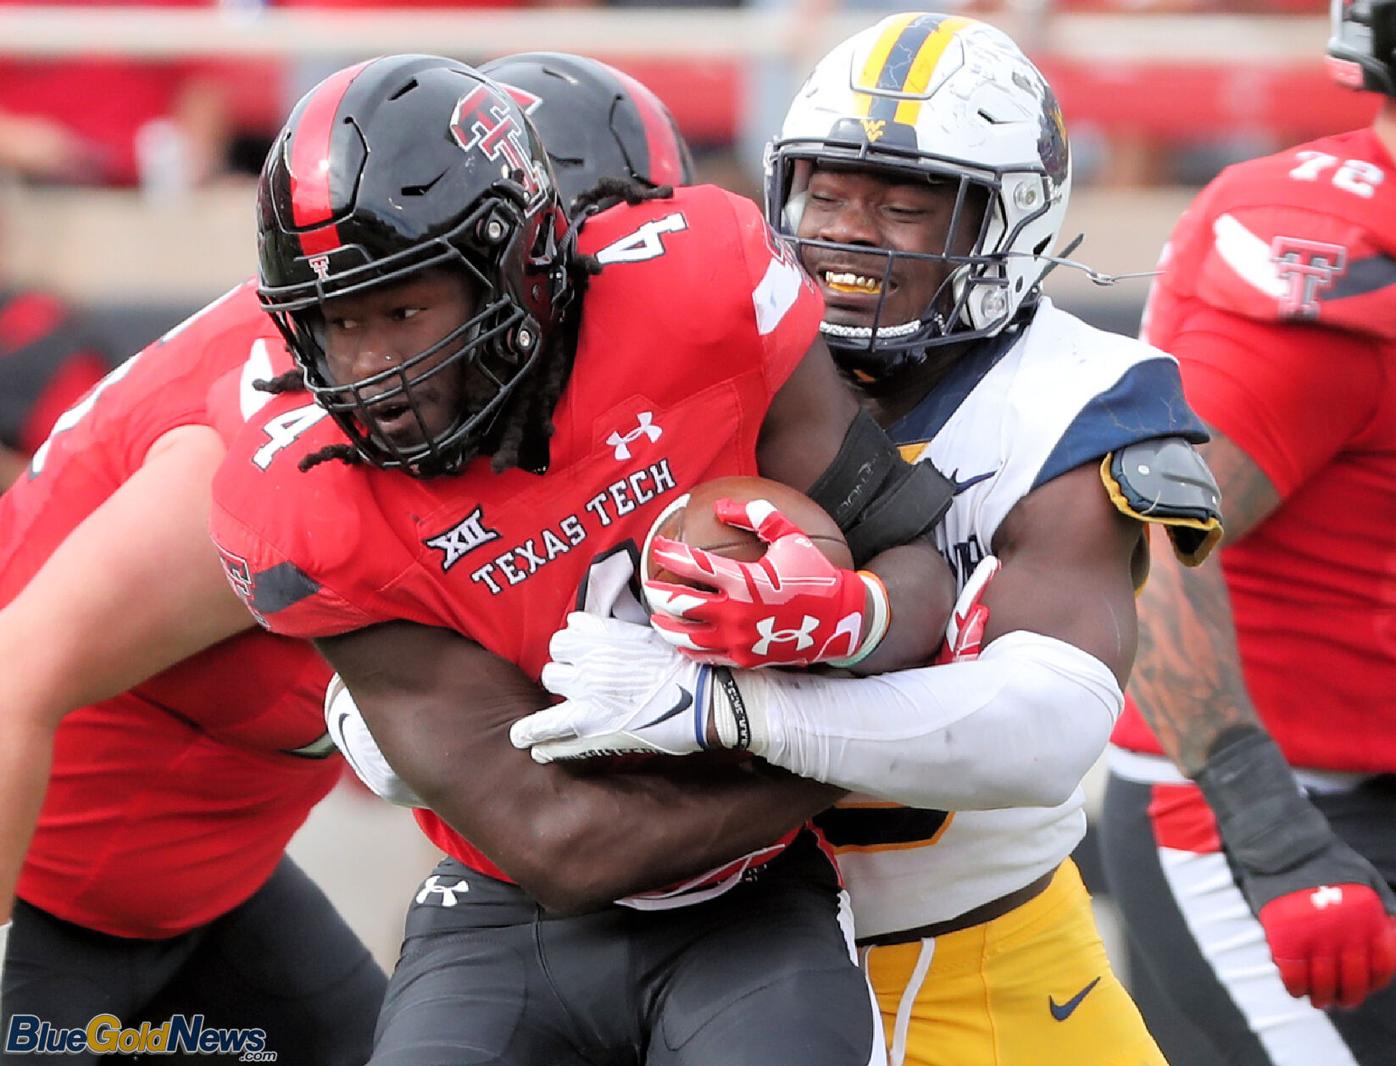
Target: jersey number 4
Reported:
[(645, 243)]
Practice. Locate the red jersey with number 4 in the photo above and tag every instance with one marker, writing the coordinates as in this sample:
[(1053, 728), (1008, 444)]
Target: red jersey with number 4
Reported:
[(172, 803), (1279, 300), (696, 320)]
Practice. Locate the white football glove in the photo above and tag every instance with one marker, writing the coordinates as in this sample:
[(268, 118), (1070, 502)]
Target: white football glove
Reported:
[(350, 734), (627, 691)]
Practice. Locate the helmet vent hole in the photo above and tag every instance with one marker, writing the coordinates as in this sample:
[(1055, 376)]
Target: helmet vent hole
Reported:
[(1041, 246), (988, 117), (404, 90), (422, 190)]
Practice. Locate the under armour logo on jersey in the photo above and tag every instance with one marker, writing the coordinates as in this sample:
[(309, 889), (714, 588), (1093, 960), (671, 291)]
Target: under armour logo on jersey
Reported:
[(463, 538), (645, 428), (448, 892), (1322, 896), (803, 637), (1309, 267)]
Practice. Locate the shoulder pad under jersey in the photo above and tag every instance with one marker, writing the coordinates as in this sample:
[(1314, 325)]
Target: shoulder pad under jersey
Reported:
[(1165, 480), (1307, 235)]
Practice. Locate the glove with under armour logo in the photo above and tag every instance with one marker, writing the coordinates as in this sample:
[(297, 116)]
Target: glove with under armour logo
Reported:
[(791, 607), (626, 691), (1326, 912)]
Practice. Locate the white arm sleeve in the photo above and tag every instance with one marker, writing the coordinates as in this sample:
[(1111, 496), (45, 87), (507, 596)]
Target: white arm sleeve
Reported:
[(350, 734), (1017, 727)]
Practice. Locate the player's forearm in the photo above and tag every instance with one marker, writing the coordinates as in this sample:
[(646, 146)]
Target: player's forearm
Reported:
[(613, 835), (1187, 676), (1018, 727), (26, 753), (921, 593)]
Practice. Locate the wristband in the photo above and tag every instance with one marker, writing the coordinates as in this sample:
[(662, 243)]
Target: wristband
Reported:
[(877, 623), (1267, 823)]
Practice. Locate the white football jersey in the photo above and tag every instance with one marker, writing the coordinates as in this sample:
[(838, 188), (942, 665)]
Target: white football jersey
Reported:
[(1011, 415)]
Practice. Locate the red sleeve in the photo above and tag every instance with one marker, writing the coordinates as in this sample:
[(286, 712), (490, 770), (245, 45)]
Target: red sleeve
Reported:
[(296, 546), (786, 302), (281, 593), (1289, 396)]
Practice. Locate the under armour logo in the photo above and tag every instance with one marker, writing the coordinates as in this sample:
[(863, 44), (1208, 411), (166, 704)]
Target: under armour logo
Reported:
[(1322, 896), (1310, 267), (462, 538), (803, 637), (645, 428), (448, 892)]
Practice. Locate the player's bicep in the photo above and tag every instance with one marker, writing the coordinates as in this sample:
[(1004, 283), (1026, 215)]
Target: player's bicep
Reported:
[(807, 421), (134, 589), (1066, 554), (1248, 495)]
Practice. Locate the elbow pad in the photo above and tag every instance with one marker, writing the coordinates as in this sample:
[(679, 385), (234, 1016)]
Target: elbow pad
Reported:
[(350, 734), (877, 498), (1017, 727)]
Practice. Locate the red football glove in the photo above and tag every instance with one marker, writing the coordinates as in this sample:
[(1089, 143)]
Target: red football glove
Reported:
[(1333, 943), (964, 636), (791, 607), (1325, 909)]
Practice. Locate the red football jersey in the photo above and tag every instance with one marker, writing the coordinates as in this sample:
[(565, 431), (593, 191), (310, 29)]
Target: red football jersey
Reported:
[(697, 319), (1279, 300), (172, 803)]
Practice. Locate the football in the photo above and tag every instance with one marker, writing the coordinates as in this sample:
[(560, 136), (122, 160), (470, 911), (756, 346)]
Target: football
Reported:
[(693, 522)]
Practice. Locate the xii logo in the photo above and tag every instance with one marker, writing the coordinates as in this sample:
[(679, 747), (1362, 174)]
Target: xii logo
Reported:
[(1309, 267), (462, 538)]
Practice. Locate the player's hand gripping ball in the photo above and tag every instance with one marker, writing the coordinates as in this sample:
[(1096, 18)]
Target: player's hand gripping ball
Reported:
[(748, 572)]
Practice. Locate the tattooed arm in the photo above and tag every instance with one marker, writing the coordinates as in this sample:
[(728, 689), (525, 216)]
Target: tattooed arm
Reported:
[(1189, 686), (1187, 675)]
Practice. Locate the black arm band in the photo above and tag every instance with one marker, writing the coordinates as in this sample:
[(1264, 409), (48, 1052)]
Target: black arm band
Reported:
[(878, 499), (1268, 825)]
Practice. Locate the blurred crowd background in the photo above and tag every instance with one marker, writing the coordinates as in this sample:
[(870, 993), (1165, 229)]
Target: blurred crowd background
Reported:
[(131, 135)]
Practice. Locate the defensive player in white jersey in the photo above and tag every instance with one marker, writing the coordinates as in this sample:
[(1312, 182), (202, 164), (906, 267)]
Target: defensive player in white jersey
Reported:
[(923, 173)]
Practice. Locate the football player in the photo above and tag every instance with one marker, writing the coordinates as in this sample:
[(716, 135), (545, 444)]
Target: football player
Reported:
[(1254, 863), (181, 747), (923, 173), (511, 404), (156, 752)]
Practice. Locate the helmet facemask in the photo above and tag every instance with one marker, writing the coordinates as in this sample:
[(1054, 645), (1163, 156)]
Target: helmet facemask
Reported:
[(970, 302), (492, 351)]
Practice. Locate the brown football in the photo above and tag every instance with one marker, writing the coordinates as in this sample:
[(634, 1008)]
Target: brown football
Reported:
[(696, 525)]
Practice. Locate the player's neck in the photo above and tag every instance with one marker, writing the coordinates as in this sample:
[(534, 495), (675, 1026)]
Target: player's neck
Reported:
[(1385, 125)]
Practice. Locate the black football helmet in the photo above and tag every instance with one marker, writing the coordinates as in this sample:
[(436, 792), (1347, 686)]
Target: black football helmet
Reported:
[(597, 121), (390, 168), (1362, 50)]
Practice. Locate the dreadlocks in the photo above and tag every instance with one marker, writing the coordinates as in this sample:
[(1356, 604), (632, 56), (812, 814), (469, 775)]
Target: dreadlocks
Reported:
[(527, 422), (530, 418)]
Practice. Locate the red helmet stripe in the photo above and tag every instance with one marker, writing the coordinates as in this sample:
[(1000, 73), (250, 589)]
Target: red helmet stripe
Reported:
[(310, 162), (665, 163)]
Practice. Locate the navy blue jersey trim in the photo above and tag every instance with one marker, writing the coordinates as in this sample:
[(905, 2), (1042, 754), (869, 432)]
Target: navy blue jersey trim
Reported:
[(929, 416), (281, 586), (1363, 276), (1146, 402)]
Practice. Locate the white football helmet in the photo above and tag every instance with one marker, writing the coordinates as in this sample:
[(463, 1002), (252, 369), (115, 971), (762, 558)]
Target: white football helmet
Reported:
[(951, 99)]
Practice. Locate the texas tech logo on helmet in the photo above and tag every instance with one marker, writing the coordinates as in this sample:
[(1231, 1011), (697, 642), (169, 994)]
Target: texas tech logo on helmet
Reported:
[(484, 121)]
